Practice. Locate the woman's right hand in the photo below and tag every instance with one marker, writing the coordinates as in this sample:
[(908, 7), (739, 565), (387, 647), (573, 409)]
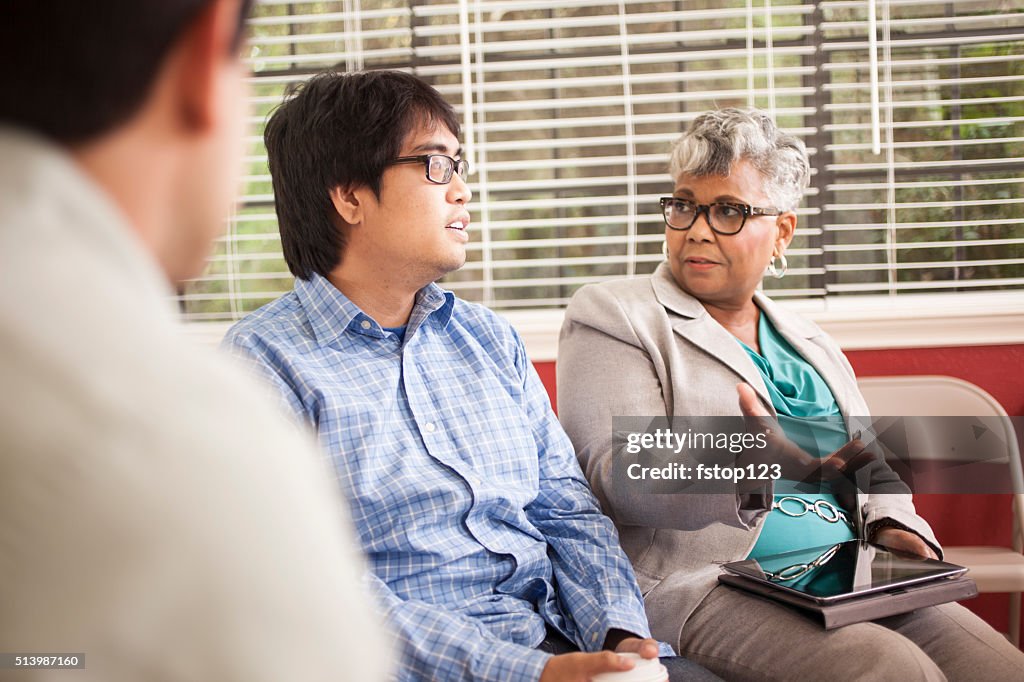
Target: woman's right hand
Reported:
[(798, 465)]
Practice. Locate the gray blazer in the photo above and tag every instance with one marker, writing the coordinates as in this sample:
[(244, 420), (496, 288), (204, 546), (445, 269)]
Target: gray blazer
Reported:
[(643, 347)]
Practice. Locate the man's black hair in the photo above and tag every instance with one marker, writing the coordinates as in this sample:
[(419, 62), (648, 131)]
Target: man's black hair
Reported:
[(340, 130), (74, 69)]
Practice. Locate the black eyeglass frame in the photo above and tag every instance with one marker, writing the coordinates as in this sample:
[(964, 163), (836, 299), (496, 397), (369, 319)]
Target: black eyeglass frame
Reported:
[(460, 166), (746, 210)]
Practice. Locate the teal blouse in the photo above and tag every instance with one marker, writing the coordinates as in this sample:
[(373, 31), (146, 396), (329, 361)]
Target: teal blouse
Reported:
[(810, 417)]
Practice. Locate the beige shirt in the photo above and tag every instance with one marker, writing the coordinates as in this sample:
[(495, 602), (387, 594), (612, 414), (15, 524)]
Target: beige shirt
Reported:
[(156, 514)]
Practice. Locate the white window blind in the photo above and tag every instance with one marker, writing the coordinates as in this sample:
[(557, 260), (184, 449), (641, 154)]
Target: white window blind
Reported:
[(940, 207), (571, 109)]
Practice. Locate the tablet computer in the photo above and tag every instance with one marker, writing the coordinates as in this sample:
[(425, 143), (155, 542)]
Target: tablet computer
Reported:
[(845, 570)]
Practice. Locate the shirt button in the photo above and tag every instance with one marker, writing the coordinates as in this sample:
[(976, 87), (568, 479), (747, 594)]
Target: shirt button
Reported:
[(430, 427), (593, 638), (365, 324)]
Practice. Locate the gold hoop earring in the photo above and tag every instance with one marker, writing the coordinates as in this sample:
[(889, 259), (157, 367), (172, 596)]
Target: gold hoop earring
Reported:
[(778, 272)]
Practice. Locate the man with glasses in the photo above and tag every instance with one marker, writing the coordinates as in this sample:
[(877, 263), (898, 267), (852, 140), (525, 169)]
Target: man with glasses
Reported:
[(488, 551)]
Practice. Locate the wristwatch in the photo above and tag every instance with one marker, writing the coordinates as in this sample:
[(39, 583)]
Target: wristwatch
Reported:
[(885, 523)]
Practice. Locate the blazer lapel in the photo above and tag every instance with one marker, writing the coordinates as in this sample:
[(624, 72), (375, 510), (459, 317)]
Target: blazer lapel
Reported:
[(700, 329)]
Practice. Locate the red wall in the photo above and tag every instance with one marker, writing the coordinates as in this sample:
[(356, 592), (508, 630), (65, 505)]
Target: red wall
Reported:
[(957, 519), (997, 369)]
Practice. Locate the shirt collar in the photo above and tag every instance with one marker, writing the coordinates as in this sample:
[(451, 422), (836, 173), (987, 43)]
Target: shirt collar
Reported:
[(331, 313), (42, 182), (431, 301)]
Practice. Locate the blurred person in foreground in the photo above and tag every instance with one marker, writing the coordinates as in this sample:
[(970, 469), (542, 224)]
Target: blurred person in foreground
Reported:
[(156, 514), (697, 338), (489, 555)]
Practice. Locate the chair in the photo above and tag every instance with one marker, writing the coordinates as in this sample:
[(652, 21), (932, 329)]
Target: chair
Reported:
[(994, 569)]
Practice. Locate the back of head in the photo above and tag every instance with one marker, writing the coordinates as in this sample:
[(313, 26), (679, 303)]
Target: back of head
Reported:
[(75, 70), (340, 130), (718, 139)]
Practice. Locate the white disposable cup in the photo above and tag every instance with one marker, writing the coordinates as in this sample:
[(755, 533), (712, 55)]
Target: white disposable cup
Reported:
[(644, 670)]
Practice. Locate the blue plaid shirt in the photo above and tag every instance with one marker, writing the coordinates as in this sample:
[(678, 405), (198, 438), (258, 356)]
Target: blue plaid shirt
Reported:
[(478, 525)]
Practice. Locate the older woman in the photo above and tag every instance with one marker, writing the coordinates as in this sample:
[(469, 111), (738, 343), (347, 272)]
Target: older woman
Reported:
[(698, 338)]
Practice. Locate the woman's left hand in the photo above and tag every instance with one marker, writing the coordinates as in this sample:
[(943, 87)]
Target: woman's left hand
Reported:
[(904, 541)]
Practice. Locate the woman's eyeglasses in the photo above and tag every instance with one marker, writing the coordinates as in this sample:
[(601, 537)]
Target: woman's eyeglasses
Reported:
[(723, 217)]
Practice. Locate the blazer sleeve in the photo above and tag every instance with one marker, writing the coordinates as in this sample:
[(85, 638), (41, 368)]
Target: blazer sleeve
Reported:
[(605, 370)]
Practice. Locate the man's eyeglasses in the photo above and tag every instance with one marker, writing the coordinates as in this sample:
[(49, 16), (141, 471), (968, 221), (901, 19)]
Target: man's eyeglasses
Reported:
[(438, 166), (722, 217)]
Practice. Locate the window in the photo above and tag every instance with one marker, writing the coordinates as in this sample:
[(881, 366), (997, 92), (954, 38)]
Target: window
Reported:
[(570, 109)]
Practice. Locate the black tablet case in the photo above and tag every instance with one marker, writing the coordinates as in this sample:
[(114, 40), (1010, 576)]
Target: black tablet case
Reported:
[(868, 607)]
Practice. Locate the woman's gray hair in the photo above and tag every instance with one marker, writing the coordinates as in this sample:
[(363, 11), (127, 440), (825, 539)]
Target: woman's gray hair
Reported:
[(718, 139)]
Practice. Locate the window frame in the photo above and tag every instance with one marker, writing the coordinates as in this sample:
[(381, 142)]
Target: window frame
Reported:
[(857, 321)]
